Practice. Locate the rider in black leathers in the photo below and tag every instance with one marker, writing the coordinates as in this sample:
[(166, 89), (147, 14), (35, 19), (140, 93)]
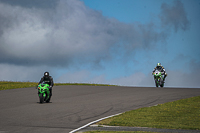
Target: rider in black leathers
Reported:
[(48, 80), (160, 68)]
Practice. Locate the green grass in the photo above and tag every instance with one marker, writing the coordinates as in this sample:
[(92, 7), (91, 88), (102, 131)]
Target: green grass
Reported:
[(5, 85), (57, 84), (181, 114), (118, 132)]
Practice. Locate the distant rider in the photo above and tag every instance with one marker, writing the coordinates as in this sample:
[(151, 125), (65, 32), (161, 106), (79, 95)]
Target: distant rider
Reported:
[(48, 80), (160, 68)]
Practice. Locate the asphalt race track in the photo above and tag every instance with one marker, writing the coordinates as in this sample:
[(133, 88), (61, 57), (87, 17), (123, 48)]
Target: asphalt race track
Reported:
[(74, 106)]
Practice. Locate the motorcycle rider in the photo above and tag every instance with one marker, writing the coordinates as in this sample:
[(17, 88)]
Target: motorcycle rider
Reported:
[(48, 80), (160, 68)]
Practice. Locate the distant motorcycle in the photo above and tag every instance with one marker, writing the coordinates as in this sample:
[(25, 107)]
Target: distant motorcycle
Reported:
[(159, 81), (44, 93)]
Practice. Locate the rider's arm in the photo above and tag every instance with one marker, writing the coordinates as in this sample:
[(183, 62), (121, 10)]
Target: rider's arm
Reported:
[(41, 80), (163, 69), (154, 70)]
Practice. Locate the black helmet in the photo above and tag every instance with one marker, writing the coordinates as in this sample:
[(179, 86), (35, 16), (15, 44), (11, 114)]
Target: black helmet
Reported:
[(46, 74)]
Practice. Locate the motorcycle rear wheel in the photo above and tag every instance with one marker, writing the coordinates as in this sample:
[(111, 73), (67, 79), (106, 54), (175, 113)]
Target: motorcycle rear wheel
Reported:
[(162, 85)]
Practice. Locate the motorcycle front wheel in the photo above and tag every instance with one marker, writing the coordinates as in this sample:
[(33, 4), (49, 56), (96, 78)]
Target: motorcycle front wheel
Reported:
[(156, 82), (41, 98)]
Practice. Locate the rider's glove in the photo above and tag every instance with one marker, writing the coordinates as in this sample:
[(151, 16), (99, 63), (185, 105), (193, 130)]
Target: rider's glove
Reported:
[(163, 73)]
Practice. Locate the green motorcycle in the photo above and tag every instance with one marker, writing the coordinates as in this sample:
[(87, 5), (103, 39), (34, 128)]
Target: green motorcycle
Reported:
[(159, 80), (44, 92)]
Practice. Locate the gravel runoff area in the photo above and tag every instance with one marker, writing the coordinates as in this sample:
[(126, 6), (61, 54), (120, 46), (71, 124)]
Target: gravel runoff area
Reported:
[(118, 128)]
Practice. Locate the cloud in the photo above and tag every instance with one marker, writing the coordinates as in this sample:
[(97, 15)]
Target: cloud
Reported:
[(82, 76), (174, 16), (136, 79), (85, 76), (21, 73), (175, 78), (43, 36), (188, 78), (66, 35), (31, 4)]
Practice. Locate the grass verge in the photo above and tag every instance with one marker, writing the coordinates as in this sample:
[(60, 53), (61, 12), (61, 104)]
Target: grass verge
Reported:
[(5, 85), (118, 132), (181, 114), (57, 84)]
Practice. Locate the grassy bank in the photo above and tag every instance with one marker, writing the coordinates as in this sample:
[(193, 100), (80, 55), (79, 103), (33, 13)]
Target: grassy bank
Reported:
[(181, 114), (57, 84), (5, 85), (118, 132)]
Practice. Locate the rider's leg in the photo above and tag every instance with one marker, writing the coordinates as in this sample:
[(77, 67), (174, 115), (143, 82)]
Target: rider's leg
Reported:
[(51, 92), (50, 89)]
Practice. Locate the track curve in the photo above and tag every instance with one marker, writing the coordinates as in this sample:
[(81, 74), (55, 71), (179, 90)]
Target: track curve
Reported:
[(74, 106)]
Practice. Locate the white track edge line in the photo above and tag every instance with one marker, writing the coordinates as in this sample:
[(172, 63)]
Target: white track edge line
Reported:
[(93, 123)]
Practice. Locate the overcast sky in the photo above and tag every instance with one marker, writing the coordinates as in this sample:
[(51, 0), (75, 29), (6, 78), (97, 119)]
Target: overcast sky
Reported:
[(100, 41)]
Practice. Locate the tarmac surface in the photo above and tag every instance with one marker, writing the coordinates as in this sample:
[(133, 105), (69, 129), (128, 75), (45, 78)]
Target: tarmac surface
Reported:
[(73, 106)]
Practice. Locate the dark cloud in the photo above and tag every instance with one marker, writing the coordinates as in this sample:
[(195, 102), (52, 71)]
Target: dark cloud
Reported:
[(31, 3), (174, 16), (66, 35), (39, 35)]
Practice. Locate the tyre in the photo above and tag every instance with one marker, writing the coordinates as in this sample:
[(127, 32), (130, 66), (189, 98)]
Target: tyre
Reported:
[(162, 85), (156, 83), (41, 98)]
